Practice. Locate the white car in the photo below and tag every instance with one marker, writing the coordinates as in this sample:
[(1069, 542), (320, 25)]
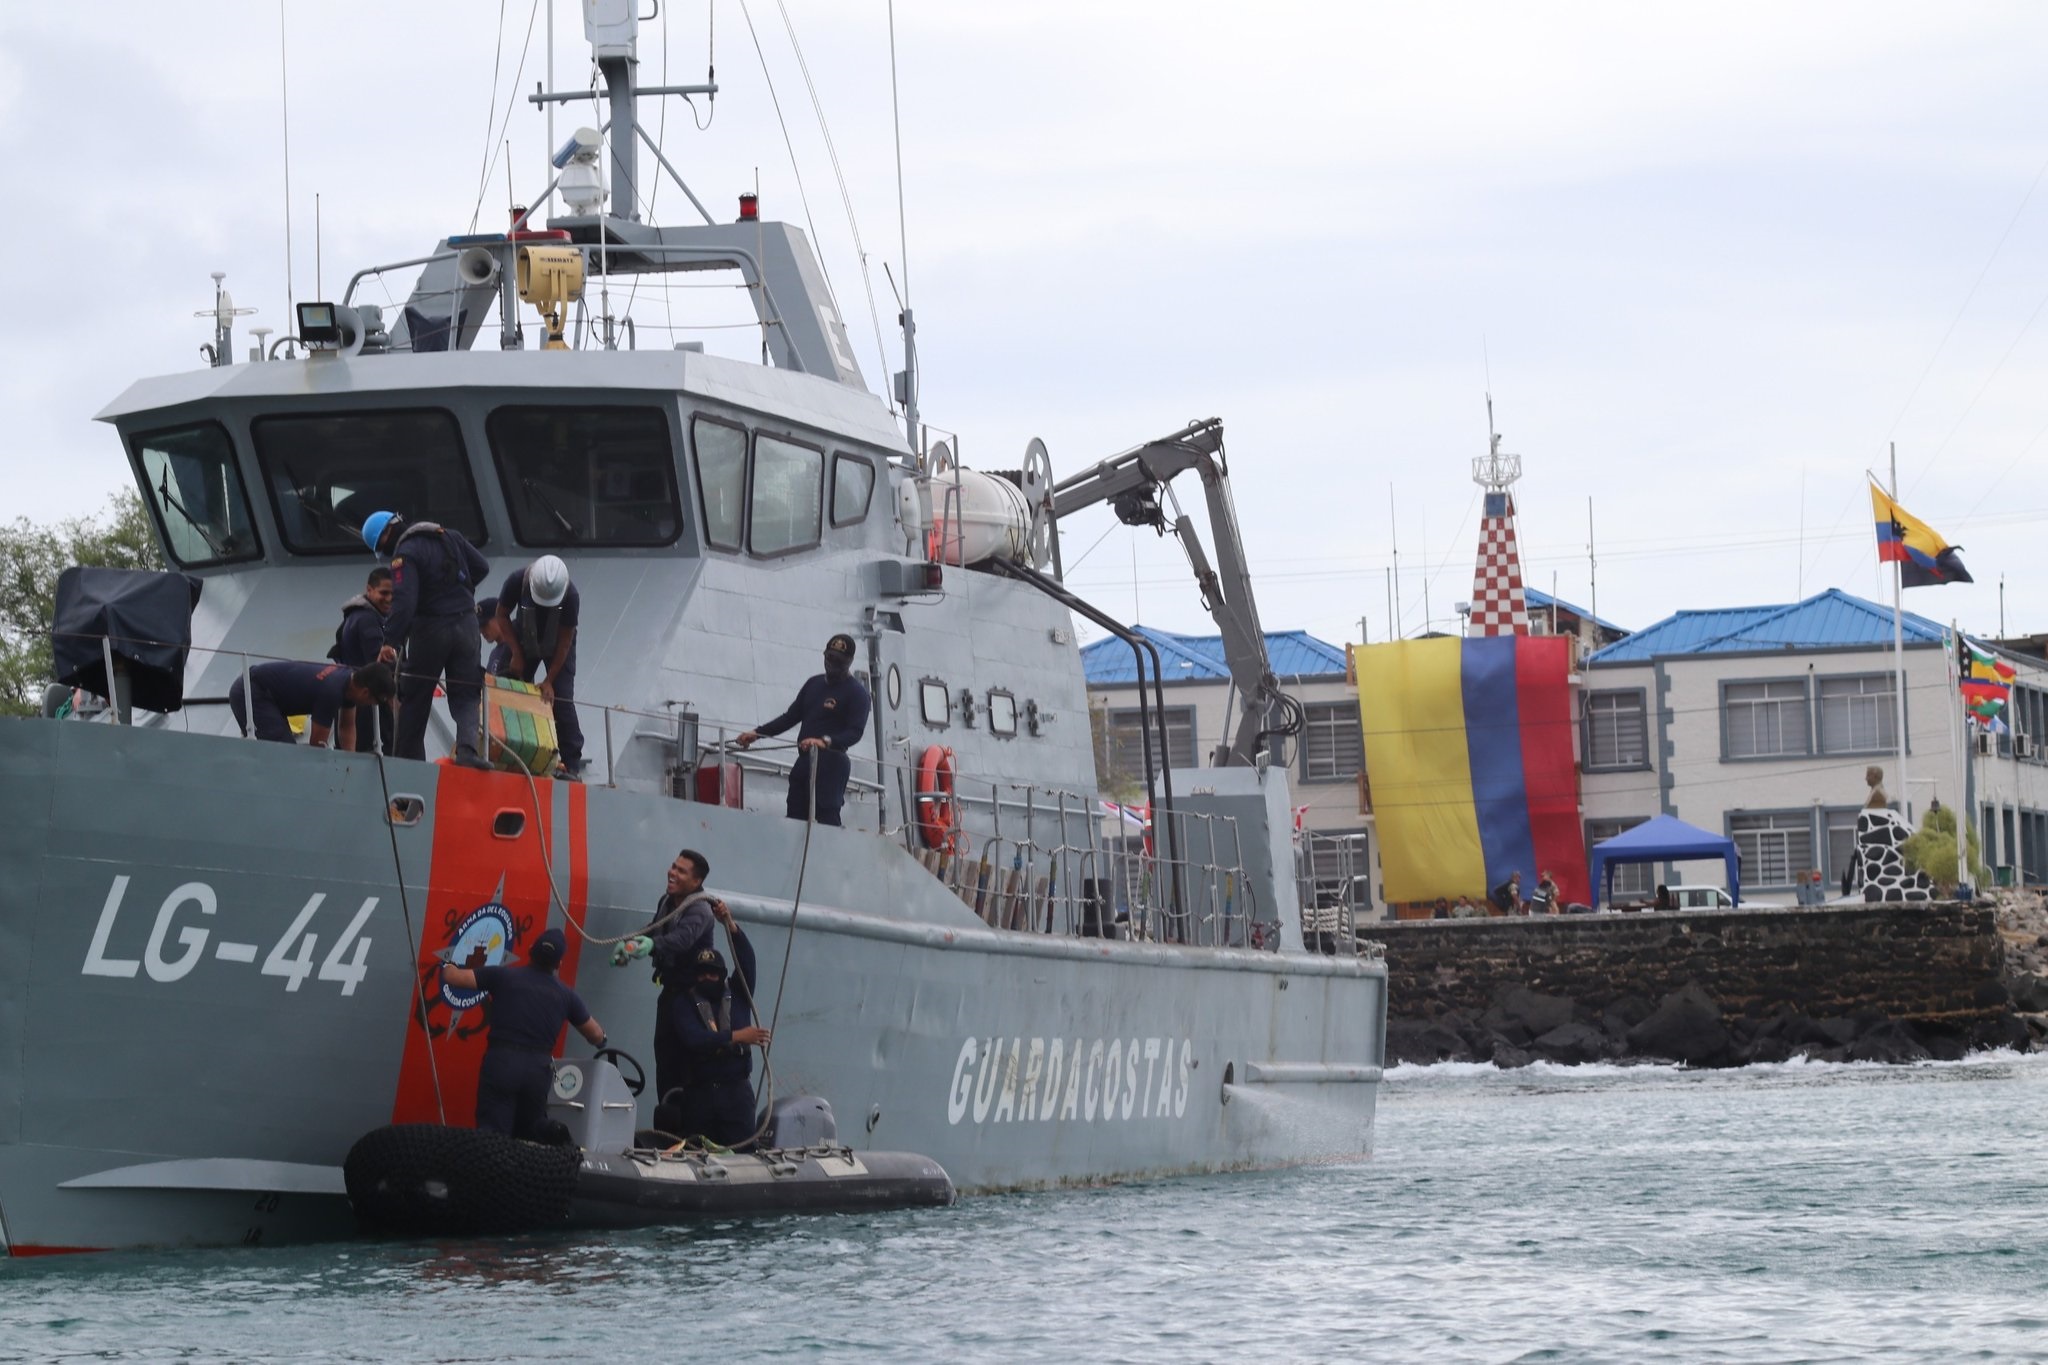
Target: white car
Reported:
[(1700, 898)]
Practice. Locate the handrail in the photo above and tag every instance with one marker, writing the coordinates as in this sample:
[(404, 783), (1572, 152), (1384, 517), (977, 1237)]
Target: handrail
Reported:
[(1052, 874)]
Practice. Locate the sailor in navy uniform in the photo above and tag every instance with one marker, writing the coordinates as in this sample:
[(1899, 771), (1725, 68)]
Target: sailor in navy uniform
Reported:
[(831, 713), (529, 1005), (434, 576), (534, 624), (359, 640), (716, 1023)]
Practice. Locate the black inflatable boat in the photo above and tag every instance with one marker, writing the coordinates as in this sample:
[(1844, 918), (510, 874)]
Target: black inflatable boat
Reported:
[(430, 1180)]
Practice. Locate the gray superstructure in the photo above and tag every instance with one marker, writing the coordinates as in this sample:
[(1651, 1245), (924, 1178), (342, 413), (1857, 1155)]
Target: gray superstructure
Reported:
[(216, 955)]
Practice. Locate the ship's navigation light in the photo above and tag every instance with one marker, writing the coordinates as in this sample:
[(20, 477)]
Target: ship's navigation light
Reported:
[(750, 208)]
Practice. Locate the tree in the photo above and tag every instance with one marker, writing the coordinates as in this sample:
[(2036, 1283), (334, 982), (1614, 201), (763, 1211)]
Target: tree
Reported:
[(1932, 849), (31, 558)]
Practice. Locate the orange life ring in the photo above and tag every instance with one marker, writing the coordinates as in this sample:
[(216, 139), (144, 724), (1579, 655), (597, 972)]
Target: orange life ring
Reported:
[(938, 814)]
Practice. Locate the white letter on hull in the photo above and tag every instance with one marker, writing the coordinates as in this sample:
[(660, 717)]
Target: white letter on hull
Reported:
[(1052, 1081), (1070, 1103), (1027, 1099), (1151, 1065), (1006, 1103), (963, 1084), (97, 963), (1112, 1074), (985, 1087), (1094, 1060), (1180, 1092), (200, 894), (1130, 1077)]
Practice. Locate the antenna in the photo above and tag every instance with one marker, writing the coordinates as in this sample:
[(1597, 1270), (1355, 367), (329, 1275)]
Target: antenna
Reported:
[(284, 85), (906, 381), (223, 313), (318, 291)]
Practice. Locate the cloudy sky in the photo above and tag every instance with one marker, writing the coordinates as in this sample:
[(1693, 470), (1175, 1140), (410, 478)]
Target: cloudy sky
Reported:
[(1710, 260)]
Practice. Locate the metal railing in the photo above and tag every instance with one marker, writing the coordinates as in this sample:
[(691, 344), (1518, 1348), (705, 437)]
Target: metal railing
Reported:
[(1331, 872), (1023, 857)]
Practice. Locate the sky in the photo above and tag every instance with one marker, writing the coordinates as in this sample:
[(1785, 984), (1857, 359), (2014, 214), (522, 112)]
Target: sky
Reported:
[(1711, 262)]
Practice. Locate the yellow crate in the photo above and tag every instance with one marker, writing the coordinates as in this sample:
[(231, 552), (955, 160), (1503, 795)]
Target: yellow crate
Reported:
[(521, 726)]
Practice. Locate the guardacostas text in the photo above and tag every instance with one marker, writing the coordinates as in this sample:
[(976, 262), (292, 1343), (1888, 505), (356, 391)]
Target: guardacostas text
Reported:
[(1018, 1080)]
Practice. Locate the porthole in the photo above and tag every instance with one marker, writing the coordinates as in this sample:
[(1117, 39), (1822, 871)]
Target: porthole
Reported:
[(935, 702), (1002, 713), (406, 810), (895, 688), (508, 824)]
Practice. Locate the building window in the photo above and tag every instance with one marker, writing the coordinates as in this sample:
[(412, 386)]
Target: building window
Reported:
[(1858, 715), (1127, 742), (1617, 733), (1840, 822), (1631, 881), (1774, 846), (1764, 719), (1332, 748)]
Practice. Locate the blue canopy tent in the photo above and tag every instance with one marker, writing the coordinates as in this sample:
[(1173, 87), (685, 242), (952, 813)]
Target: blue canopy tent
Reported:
[(1665, 838)]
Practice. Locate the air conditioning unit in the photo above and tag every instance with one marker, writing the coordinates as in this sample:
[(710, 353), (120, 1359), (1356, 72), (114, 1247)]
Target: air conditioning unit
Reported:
[(2022, 746), (1986, 745)]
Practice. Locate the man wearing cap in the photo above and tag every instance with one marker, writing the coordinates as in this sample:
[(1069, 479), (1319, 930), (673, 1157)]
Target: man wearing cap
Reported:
[(529, 1005), (434, 573), (716, 1023), (535, 629), (831, 713), (328, 695)]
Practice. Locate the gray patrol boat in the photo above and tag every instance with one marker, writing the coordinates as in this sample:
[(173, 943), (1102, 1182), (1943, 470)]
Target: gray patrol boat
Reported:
[(217, 957)]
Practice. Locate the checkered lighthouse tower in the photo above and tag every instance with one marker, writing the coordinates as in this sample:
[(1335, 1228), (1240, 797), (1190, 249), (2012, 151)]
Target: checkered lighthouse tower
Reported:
[(1498, 607)]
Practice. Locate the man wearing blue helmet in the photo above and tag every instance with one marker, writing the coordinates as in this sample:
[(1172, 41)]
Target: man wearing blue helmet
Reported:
[(434, 575)]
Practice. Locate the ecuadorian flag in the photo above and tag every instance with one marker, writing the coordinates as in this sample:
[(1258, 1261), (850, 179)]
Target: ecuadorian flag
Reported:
[(1923, 557), (1468, 746)]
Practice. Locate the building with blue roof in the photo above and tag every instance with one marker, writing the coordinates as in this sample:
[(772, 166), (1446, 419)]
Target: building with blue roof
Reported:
[(1761, 722), (1202, 712)]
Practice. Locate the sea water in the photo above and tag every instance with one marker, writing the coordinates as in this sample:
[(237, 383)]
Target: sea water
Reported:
[(1783, 1213)]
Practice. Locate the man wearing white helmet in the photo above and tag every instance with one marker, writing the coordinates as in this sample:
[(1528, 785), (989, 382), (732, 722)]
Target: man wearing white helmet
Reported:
[(535, 627)]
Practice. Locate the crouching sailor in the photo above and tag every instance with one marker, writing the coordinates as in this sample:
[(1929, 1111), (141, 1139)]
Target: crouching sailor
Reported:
[(529, 1005), (330, 696), (716, 1021)]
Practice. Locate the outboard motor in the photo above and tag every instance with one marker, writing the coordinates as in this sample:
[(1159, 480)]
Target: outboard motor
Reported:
[(591, 1100), (802, 1121)]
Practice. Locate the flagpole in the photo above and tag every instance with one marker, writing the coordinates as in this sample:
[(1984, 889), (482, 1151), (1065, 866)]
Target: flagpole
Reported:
[(1958, 741), (1899, 652)]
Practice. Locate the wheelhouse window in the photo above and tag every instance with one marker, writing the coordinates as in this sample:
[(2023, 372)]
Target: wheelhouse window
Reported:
[(853, 486), (787, 496), (721, 481), (587, 476), (196, 492), (327, 473)]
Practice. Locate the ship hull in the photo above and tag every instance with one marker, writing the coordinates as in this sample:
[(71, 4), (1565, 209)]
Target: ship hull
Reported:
[(217, 971)]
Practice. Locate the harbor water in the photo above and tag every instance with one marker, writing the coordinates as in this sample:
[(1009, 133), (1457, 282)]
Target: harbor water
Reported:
[(1784, 1213)]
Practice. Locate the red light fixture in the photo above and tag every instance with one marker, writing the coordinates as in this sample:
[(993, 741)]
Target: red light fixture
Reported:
[(934, 576), (750, 208)]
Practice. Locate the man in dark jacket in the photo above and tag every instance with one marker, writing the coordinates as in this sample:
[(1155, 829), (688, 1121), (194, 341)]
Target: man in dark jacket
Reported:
[(359, 640), (529, 1005), (328, 695), (535, 630), (1507, 897), (682, 927), (716, 1021), (434, 573), (831, 713)]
